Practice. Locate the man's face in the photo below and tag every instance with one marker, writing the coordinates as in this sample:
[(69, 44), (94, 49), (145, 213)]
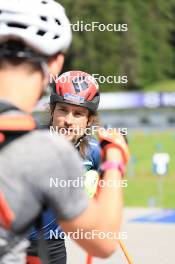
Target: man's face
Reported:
[(71, 120)]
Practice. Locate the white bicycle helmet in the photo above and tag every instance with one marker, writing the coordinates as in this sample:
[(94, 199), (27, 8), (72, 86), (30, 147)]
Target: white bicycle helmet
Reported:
[(41, 24)]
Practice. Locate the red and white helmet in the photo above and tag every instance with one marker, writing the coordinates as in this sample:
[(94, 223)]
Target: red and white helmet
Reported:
[(76, 87)]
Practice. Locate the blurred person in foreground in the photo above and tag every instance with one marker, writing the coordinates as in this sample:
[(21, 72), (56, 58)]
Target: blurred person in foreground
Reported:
[(33, 38)]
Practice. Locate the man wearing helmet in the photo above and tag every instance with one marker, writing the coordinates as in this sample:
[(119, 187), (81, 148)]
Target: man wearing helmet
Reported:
[(73, 103), (33, 38)]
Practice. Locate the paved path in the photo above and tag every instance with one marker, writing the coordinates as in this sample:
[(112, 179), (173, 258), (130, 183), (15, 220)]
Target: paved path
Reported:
[(148, 243)]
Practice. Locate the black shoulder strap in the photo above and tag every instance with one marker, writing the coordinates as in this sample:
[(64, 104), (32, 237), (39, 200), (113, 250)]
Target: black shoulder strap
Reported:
[(5, 107), (42, 244), (11, 128)]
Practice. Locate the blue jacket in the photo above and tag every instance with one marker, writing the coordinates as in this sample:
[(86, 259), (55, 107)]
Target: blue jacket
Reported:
[(91, 162)]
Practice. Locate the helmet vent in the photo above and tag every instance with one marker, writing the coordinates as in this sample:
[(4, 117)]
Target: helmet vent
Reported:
[(43, 18), (16, 25), (56, 37), (44, 2), (41, 32), (57, 21)]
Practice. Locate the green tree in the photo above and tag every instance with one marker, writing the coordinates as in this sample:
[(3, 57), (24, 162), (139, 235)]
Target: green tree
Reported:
[(145, 53)]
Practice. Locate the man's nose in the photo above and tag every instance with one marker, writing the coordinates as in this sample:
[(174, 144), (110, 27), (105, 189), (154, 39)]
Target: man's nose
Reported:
[(69, 119)]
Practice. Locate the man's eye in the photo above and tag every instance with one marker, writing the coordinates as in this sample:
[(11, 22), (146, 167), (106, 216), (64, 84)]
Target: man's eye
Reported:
[(78, 114), (61, 110)]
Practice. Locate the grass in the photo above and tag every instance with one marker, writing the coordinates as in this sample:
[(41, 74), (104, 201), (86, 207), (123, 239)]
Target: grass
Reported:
[(163, 86), (142, 182), (146, 192)]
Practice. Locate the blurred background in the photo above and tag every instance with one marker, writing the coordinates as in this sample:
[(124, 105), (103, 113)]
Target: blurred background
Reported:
[(143, 102), (144, 53)]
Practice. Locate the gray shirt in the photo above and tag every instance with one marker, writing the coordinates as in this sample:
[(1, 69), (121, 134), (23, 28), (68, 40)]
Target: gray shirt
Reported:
[(28, 165)]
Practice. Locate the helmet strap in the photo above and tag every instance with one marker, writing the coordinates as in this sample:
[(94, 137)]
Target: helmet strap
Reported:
[(77, 144)]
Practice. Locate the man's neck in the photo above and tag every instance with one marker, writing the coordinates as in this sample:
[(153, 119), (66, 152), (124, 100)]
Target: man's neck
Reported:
[(20, 89)]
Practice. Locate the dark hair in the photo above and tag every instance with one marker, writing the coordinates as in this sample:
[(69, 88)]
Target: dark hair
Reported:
[(16, 53)]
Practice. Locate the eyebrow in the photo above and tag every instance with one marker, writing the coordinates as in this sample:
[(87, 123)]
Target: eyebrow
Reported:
[(67, 107), (61, 106)]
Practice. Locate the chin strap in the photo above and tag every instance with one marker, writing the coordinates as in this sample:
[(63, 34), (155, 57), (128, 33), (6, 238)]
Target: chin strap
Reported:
[(77, 144)]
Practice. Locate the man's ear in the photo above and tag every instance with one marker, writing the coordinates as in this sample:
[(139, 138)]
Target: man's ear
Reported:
[(56, 64)]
